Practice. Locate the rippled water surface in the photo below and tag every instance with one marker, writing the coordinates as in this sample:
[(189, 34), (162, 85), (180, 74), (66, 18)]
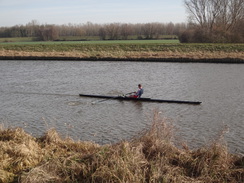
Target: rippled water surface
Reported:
[(38, 95)]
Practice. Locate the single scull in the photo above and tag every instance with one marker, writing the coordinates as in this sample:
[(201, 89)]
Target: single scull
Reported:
[(141, 99)]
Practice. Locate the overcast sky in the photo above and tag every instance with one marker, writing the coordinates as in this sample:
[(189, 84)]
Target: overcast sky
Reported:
[(15, 12)]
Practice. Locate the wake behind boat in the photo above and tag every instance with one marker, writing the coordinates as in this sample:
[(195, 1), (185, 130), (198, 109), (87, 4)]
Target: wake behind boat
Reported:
[(140, 99)]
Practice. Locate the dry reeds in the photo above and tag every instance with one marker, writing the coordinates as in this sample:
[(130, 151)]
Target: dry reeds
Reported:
[(122, 54), (149, 157)]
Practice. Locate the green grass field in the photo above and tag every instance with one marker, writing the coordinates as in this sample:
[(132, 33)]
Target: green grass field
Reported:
[(28, 41), (15, 39), (134, 45), (126, 49), (27, 44)]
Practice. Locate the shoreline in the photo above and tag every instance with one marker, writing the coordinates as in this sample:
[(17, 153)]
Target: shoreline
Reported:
[(141, 59)]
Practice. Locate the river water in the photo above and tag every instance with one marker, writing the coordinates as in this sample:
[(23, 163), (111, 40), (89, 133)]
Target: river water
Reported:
[(39, 95)]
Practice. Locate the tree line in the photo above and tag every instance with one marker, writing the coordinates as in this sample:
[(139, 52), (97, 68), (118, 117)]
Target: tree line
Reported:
[(111, 31)]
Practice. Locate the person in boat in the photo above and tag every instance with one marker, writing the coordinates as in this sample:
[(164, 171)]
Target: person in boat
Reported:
[(138, 93)]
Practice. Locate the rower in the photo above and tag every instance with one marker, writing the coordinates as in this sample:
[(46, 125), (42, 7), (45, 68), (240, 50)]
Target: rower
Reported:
[(138, 93)]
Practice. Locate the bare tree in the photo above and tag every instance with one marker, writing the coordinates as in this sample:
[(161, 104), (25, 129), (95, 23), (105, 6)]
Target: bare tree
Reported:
[(209, 12), (102, 33), (170, 28), (150, 30), (203, 12), (91, 31), (125, 31), (113, 30), (215, 16), (48, 33), (235, 12), (32, 28)]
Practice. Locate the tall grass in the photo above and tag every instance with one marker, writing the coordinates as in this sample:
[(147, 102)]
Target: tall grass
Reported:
[(149, 157)]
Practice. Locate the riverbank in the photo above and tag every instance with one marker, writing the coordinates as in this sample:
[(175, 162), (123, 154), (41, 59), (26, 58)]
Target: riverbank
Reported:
[(216, 53), (149, 157)]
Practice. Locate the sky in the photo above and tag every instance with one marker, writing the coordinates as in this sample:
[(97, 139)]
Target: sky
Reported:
[(21, 12)]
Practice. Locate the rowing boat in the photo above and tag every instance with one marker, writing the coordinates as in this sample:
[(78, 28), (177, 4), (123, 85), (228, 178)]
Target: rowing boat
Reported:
[(141, 99)]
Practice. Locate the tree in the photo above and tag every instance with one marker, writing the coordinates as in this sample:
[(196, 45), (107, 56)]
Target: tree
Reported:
[(91, 31), (102, 33), (149, 30), (113, 30), (48, 33), (203, 12), (125, 31), (217, 19), (32, 28)]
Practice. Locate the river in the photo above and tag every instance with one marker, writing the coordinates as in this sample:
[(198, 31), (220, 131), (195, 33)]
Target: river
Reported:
[(39, 95)]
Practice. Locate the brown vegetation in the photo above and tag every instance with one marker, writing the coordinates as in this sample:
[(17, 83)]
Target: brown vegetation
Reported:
[(147, 55), (110, 31), (149, 157)]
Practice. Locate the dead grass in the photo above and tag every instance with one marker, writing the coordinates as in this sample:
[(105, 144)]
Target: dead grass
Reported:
[(127, 54), (149, 157)]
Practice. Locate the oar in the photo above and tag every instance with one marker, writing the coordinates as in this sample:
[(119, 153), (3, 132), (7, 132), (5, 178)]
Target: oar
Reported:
[(95, 102), (128, 93)]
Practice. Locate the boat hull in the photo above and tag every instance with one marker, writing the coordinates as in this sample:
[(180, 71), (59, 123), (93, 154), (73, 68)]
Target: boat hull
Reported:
[(140, 99)]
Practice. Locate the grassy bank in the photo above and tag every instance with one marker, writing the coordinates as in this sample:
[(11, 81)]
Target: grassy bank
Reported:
[(149, 157), (112, 50)]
